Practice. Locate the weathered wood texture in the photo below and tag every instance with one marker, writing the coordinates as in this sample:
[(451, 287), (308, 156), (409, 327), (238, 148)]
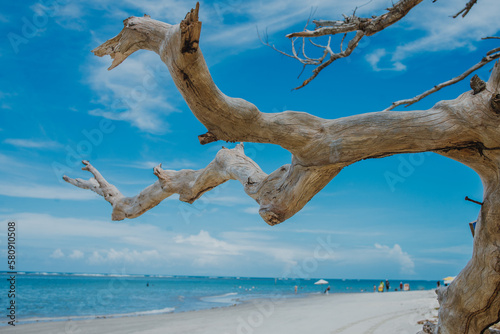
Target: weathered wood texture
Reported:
[(465, 129)]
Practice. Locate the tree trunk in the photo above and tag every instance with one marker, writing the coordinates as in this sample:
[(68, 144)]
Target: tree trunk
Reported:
[(472, 301), (464, 129)]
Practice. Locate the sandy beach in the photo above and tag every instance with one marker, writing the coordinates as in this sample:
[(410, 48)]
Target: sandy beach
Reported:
[(367, 313)]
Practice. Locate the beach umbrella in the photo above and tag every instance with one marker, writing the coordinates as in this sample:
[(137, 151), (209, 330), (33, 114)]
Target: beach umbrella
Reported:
[(321, 281), (448, 280)]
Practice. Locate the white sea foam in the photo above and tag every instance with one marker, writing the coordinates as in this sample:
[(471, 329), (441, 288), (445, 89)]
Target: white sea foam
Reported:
[(85, 317), (225, 298)]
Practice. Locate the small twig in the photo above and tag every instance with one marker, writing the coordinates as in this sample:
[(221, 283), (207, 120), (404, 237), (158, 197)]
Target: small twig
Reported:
[(466, 10), (408, 102), (473, 201), (303, 68), (342, 42), (353, 43)]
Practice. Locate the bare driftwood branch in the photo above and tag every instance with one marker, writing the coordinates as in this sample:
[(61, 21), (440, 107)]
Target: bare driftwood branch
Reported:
[(360, 26), (292, 185), (467, 8), (490, 56), (464, 129)]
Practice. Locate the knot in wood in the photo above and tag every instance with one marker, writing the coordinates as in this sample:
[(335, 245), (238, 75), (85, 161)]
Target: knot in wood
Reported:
[(206, 138), (495, 103), (496, 265), (477, 84)]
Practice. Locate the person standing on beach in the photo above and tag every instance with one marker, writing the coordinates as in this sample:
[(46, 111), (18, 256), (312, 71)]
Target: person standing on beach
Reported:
[(381, 286), (295, 289), (327, 289), (387, 285), (400, 286)]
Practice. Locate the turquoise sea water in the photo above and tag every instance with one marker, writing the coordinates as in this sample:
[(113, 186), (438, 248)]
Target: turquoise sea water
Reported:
[(63, 296)]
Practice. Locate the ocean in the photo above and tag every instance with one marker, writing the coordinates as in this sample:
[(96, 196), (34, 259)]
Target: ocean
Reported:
[(64, 296)]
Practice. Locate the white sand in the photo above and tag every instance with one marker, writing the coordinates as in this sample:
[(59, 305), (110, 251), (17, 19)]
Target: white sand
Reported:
[(366, 313)]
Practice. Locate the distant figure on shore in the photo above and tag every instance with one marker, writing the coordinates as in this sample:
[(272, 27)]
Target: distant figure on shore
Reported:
[(381, 286), (327, 289), (374, 288), (400, 286), (438, 283), (295, 289), (387, 285)]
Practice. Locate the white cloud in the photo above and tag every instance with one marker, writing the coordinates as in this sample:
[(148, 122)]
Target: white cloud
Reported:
[(57, 254), (397, 255), (221, 29), (208, 244), (209, 251), (441, 32), (253, 210), (462, 250), (138, 244), (46, 192), (124, 255), (48, 227), (31, 143), (172, 164), (76, 254), (136, 92), (375, 57), (68, 15), (130, 242), (237, 199)]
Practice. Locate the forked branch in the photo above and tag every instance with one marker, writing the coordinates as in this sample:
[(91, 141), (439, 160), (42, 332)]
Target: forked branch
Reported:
[(467, 8), (361, 26), (280, 194)]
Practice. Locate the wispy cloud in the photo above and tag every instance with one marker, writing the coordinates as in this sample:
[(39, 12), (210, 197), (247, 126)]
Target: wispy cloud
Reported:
[(110, 256), (375, 57), (132, 93), (210, 250), (443, 33), (236, 199), (232, 24), (57, 254), (129, 242), (45, 192), (68, 15), (134, 244), (253, 210), (169, 164), (76, 254), (461, 250), (32, 143)]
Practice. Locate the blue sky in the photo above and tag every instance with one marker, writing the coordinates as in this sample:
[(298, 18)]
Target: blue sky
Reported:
[(54, 95)]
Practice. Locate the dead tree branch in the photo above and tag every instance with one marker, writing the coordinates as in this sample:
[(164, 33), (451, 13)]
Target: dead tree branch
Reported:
[(467, 8), (490, 56), (464, 129), (351, 24)]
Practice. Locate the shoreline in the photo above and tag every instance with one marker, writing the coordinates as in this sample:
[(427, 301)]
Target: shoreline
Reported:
[(338, 313), (236, 302)]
